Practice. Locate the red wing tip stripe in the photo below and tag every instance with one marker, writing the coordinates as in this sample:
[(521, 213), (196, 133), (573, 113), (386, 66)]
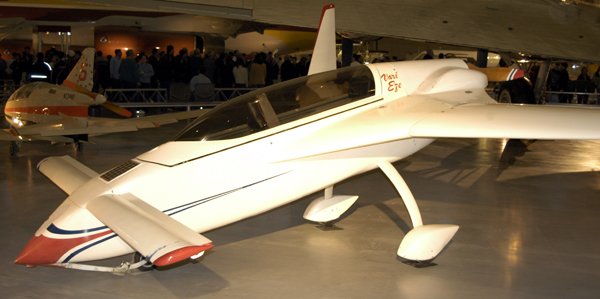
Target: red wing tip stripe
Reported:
[(181, 254)]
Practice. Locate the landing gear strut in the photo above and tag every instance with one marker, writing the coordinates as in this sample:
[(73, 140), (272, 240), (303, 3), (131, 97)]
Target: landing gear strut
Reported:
[(424, 242), (77, 146), (13, 148)]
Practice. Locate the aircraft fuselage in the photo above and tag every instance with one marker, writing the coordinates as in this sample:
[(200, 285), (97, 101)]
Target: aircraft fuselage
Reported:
[(247, 169)]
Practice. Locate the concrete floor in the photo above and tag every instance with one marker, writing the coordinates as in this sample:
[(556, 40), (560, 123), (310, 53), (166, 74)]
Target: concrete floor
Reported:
[(528, 214)]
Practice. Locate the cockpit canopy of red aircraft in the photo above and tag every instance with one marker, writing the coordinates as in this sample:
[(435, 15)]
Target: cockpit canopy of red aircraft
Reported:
[(282, 103), (25, 91)]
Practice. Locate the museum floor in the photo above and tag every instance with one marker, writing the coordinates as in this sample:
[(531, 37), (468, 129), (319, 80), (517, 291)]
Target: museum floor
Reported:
[(528, 212)]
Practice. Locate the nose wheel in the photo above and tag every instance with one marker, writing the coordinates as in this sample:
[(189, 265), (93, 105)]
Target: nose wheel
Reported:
[(77, 146), (144, 267), (13, 148)]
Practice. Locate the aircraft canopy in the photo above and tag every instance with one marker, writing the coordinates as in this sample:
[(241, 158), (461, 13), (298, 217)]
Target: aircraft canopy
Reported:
[(282, 103)]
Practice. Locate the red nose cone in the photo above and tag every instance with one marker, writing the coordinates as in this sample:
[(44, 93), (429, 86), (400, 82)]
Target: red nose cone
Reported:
[(519, 74), (40, 251)]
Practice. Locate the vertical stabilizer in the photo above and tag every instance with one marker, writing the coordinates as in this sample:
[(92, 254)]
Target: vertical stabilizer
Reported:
[(323, 57), (82, 75), (81, 79)]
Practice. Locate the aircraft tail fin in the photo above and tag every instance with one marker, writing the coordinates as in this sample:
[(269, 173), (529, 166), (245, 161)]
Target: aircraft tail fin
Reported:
[(323, 57), (81, 79), (82, 75)]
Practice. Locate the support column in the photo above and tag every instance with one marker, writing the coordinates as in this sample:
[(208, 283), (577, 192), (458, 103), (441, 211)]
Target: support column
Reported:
[(482, 55), (347, 48)]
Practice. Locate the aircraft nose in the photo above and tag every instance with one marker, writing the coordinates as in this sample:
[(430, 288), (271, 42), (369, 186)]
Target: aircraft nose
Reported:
[(519, 74), (41, 250)]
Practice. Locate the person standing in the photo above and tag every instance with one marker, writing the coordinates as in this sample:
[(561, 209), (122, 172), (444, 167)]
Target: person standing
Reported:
[(596, 82), (102, 75), (584, 84), (145, 72), (240, 74), (16, 68), (3, 68), (164, 73), (128, 70), (114, 65), (258, 71), (153, 61), (288, 69)]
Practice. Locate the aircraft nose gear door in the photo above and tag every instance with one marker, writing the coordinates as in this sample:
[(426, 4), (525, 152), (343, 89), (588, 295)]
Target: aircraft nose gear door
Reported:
[(424, 242)]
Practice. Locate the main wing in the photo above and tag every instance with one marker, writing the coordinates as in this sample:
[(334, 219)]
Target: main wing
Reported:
[(150, 121), (66, 125), (510, 121)]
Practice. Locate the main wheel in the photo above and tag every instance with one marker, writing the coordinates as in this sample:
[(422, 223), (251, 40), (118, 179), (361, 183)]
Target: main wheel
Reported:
[(148, 266), (504, 96)]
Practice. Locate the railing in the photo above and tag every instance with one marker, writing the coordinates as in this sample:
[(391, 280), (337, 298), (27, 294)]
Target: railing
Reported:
[(187, 105), (224, 94), (147, 95), (573, 97), (161, 95)]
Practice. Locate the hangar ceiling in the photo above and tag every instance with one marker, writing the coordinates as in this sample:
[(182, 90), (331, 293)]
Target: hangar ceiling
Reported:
[(553, 28)]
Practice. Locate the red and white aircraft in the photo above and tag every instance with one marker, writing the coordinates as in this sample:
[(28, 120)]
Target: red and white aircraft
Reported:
[(277, 144), (59, 113)]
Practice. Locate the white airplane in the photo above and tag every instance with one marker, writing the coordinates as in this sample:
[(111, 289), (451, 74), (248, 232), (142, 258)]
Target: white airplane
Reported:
[(275, 145), (59, 113)]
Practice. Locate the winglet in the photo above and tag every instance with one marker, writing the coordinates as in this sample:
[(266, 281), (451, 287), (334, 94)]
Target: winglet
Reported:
[(324, 58)]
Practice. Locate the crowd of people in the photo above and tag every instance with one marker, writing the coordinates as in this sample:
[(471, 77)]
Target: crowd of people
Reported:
[(127, 69), (161, 69), (51, 66), (558, 80)]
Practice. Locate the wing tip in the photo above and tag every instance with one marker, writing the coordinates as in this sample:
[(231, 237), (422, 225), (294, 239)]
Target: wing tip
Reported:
[(181, 254)]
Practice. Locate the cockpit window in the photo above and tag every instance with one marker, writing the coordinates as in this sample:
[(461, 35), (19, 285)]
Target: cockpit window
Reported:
[(23, 92), (282, 103)]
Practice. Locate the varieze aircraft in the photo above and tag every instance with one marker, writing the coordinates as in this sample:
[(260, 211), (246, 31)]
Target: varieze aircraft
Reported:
[(59, 113), (277, 144)]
